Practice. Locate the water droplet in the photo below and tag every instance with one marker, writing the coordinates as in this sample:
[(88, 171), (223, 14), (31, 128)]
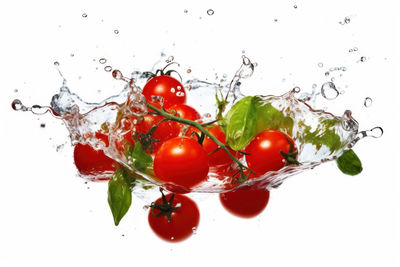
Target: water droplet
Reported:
[(17, 105), (210, 12), (327, 73), (275, 20), (179, 87), (329, 91), (180, 94), (102, 60), (15, 90), (320, 64), (56, 63), (170, 59), (194, 230), (375, 132), (108, 68), (172, 238), (189, 71), (42, 125), (363, 59), (296, 89), (367, 102), (172, 90), (59, 147), (116, 31), (117, 74), (332, 79), (185, 11), (295, 6), (347, 20), (84, 15), (355, 49)]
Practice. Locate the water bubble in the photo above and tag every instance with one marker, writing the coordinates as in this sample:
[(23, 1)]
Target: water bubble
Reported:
[(296, 89), (108, 68), (320, 64), (17, 105), (170, 59), (295, 6), (116, 31), (329, 91), (210, 12), (363, 59), (117, 74), (367, 102), (56, 63), (42, 125), (102, 60), (84, 15)]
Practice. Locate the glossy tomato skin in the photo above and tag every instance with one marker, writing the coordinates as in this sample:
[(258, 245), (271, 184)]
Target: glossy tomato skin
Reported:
[(166, 130), (185, 111), (181, 161), (184, 220), (245, 202), (220, 159), (265, 151), (169, 88), (93, 163)]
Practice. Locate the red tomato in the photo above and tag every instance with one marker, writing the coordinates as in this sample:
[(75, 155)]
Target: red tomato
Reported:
[(185, 112), (245, 202), (169, 88), (166, 130), (183, 221), (265, 151), (219, 159), (94, 163), (181, 161)]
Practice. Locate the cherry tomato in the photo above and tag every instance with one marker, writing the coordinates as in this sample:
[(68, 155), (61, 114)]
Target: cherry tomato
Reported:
[(93, 163), (218, 159), (169, 88), (183, 221), (265, 151), (181, 161), (185, 112), (245, 202), (166, 130)]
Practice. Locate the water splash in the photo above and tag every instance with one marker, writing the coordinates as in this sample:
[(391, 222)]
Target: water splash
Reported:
[(83, 120)]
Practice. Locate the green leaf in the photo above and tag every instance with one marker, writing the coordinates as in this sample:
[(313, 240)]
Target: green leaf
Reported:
[(119, 194), (250, 116), (142, 159), (349, 163), (325, 134), (240, 123)]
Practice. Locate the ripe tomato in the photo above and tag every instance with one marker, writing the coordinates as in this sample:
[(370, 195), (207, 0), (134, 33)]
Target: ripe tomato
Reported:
[(265, 151), (245, 202), (183, 221), (169, 88), (185, 112), (181, 161), (93, 163), (166, 130), (219, 159)]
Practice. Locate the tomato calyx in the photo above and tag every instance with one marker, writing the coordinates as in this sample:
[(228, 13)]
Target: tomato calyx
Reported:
[(165, 207), (160, 72), (146, 139), (291, 156)]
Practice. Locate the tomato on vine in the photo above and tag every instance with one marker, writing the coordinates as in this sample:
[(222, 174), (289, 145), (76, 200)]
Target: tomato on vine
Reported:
[(270, 150), (181, 161), (174, 217), (246, 201)]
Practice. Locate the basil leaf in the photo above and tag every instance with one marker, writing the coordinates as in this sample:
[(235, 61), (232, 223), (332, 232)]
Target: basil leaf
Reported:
[(325, 134), (240, 123), (119, 194), (142, 159), (250, 116), (349, 163)]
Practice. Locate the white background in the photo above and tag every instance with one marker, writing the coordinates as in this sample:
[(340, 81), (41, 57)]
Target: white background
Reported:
[(50, 217)]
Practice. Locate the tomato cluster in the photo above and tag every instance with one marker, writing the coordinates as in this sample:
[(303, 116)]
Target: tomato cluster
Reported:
[(184, 155)]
